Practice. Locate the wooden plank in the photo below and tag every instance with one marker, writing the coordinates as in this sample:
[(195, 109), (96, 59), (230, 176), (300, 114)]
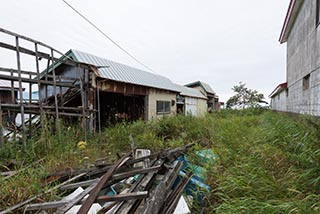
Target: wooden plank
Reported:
[(46, 205), (174, 197), (33, 106), (115, 177), (65, 60), (79, 184), (143, 183), (28, 39), (15, 71), (105, 210), (123, 197), (124, 175), (17, 206), (77, 199), (27, 80), (157, 197), (55, 91), (38, 78), (88, 203), (20, 93)]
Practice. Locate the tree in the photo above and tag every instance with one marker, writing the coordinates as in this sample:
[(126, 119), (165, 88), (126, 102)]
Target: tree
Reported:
[(245, 97)]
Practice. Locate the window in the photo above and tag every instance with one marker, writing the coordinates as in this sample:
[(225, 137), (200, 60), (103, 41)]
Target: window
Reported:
[(287, 92), (163, 107), (306, 82), (317, 12)]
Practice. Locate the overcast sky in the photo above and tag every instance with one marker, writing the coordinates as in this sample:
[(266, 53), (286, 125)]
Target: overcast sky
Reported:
[(216, 41)]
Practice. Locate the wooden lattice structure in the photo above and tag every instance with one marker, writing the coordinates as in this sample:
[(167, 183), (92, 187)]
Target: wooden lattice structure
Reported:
[(43, 77)]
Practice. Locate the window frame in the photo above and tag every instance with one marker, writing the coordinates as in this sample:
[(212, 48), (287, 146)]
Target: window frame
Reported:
[(306, 82), (165, 107)]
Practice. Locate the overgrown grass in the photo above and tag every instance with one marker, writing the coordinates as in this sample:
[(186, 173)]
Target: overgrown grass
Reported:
[(269, 162)]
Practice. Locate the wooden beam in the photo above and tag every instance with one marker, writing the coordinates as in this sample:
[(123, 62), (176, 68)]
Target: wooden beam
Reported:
[(17, 206), (115, 177), (46, 205), (161, 191), (142, 184), (76, 200), (92, 197), (65, 60), (79, 184), (20, 93), (135, 172), (123, 197), (27, 80)]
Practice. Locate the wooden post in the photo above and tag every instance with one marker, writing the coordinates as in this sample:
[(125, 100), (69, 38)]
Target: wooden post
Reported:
[(38, 79), (13, 99), (30, 103), (1, 127), (20, 93), (55, 91), (86, 98), (99, 109), (46, 79), (83, 104)]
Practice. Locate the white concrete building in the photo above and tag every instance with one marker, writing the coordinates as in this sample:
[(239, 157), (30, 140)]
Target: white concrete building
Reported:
[(301, 33)]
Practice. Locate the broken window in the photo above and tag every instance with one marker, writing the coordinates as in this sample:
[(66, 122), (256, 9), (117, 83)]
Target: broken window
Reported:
[(317, 12), (306, 82), (163, 107)]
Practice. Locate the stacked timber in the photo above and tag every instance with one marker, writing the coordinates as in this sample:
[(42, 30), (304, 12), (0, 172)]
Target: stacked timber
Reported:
[(139, 182)]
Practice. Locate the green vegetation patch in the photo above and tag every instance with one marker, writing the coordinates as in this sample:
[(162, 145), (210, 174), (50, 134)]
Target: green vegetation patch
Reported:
[(268, 162)]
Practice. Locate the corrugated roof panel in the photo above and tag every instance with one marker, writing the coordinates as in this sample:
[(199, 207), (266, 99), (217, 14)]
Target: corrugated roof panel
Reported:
[(205, 86), (123, 73), (190, 92)]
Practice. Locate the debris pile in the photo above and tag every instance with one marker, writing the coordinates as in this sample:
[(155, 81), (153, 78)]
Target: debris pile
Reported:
[(139, 182)]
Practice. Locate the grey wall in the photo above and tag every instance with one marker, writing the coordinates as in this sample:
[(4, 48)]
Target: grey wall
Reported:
[(278, 102), (303, 57)]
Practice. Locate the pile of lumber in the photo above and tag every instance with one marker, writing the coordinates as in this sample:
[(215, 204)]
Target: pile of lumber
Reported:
[(136, 183)]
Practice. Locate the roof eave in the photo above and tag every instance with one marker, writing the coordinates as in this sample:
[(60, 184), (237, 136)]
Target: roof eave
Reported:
[(278, 89), (291, 16)]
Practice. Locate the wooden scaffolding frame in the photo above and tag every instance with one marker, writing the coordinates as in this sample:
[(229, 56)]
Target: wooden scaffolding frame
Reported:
[(45, 78)]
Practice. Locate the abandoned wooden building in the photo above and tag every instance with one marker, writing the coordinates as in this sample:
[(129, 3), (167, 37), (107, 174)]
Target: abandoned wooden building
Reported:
[(213, 99), (116, 91), (90, 90)]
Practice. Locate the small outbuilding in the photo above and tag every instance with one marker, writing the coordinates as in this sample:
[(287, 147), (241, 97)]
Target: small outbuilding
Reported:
[(212, 98), (191, 102), (278, 97)]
